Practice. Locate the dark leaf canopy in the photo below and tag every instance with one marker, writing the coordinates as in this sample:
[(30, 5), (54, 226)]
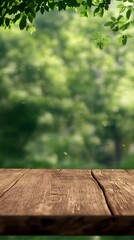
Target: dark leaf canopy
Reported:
[(23, 12)]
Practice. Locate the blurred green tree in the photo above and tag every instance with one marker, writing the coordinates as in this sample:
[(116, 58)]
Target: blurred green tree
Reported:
[(64, 102)]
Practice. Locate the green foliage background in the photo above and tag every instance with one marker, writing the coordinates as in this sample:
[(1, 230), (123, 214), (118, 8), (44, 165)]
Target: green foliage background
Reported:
[(64, 103), (23, 13)]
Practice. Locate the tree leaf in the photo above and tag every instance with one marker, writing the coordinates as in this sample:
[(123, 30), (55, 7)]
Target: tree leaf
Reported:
[(23, 22), (124, 39), (128, 13), (108, 23)]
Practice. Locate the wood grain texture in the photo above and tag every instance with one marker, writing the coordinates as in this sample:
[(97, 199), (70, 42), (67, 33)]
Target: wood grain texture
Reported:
[(65, 202), (55, 192), (118, 187), (8, 177)]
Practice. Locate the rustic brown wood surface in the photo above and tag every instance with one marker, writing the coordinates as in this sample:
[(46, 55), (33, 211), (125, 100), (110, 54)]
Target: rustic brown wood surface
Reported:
[(66, 202)]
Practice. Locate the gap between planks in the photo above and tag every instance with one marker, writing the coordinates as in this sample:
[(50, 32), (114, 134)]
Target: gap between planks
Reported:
[(103, 191)]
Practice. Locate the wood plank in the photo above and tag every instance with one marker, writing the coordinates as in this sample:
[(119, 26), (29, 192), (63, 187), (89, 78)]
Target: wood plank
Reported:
[(49, 202), (118, 187), (61, 202), (55, 192), (8, 177)]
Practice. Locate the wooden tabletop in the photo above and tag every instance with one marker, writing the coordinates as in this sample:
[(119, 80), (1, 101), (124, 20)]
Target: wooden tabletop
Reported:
[(66, 202)]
